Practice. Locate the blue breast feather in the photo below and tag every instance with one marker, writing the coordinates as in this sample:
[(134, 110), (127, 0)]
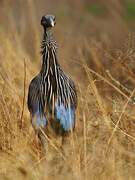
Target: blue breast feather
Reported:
[(66, 116), (38, 119)]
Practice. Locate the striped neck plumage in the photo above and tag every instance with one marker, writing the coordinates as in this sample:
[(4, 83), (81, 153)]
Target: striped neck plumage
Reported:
[(48, 51)]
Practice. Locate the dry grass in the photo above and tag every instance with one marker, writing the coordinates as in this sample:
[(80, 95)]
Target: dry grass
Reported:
[(102, 60)]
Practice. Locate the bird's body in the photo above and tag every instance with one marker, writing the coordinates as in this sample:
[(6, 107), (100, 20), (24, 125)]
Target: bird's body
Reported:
[(52, 95)]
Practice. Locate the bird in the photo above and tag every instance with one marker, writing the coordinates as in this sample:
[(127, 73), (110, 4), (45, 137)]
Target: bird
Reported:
[(52, 94)]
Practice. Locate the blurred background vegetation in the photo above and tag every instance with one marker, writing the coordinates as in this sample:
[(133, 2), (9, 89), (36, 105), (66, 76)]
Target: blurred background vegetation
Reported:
[(97, 48)]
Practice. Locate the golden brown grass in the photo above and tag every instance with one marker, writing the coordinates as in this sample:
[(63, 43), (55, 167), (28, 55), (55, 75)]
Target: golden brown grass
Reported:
[(102, 61)]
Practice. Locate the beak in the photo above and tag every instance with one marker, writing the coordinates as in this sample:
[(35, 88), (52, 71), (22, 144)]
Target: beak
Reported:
[(52, 23)]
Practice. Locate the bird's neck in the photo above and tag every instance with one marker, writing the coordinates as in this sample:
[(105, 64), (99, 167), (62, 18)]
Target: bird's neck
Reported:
[(48, 51)]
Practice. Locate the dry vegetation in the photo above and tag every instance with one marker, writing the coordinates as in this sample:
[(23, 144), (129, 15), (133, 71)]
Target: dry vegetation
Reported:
[(96, 47)]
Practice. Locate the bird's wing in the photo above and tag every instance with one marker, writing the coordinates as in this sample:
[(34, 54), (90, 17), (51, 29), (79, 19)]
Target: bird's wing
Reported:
[(36, 105), (66, 102), (33, 93)]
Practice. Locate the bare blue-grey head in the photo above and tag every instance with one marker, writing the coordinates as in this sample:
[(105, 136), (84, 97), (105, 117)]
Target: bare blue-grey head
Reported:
[(48, 21)]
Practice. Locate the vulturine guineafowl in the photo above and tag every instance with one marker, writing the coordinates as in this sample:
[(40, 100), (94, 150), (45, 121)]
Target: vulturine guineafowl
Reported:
[(52, 97)]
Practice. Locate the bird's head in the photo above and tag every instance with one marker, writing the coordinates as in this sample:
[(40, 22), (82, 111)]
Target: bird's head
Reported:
[(48, 21)]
